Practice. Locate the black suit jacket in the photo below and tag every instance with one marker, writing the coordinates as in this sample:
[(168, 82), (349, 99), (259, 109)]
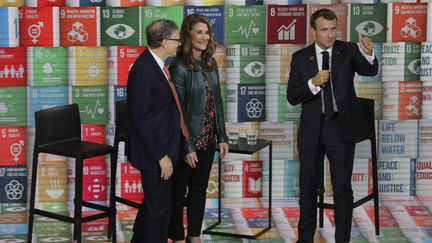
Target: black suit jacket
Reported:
[(346, 60), (153, 117)]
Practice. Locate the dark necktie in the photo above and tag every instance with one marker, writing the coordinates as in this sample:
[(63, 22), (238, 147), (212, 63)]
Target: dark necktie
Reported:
[(328, 98), (183, 127)]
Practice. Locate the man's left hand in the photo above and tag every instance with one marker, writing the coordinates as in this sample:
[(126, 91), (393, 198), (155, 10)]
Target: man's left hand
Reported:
[(366, 44)]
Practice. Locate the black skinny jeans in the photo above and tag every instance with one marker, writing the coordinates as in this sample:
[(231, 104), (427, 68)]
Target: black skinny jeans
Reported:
[(194, 182)]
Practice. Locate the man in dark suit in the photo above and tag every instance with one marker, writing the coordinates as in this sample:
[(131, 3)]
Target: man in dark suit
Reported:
[(331, 121), (154, 130)]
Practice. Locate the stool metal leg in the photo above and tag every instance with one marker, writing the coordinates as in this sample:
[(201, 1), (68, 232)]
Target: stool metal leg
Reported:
[(112, 204), (32, 196), (375, 185), (320, 193), (78, 199)]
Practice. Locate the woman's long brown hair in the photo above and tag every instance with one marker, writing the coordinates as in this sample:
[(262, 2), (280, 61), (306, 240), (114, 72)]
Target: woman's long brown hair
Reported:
[(185, 50)]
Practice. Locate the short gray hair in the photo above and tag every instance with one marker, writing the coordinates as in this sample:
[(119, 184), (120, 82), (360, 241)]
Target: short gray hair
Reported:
[(159, 30)]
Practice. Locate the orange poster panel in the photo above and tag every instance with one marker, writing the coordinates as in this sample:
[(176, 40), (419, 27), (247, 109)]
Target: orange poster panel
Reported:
[(409, 100), (408, 22), (79, 26)]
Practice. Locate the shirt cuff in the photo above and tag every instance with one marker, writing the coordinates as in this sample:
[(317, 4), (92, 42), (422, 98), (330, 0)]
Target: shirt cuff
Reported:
[(314, 89), (370, 58)]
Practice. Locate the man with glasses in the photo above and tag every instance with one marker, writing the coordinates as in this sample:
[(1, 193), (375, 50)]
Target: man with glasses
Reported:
[(154, 130), (331, 121)]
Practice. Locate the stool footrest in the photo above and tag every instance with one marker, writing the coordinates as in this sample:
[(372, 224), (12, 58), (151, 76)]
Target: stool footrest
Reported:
[(95, 206), (69, 219), (127, 202), (326, 205), (54, 215), (363, 200), (210, 231), (355, 204), (95, 217)]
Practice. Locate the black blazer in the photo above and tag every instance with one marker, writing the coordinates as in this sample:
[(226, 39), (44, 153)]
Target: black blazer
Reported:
[(346, 60), (153, 117)]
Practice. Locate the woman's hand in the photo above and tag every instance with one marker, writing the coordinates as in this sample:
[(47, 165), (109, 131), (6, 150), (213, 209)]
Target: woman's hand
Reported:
[(191, 159), (223, 150)]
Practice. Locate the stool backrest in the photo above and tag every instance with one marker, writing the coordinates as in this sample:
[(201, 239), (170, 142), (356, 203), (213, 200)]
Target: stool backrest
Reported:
[(369, 112), (57, 124), (121, 120)]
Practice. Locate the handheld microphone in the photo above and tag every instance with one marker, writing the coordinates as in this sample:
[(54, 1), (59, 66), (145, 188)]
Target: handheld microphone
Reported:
[(325, 62)]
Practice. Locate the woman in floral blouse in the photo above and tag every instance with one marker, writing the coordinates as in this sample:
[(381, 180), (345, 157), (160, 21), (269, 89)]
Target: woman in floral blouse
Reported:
[(195, 74)]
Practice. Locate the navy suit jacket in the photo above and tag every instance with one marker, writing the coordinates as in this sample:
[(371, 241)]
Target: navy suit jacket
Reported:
[(346, 61), (153, 117)]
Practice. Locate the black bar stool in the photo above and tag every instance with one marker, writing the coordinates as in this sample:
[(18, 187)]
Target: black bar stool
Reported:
[(58, 132), (120, 136), (369, 112)]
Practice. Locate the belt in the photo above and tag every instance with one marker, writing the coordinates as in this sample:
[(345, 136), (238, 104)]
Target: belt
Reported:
[(325, 117)]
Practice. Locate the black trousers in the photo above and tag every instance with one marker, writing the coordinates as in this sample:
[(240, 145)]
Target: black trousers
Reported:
[(341, 157), (194, 182), (152, 221)]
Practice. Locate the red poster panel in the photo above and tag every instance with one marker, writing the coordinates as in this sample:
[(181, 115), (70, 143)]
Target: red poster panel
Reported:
[(255, 212), (96, 134), (100, 225), (130, 183), (39, 26), (13, 66), (95, 182), (286, 24), (386, 217), (44, 3), (252, 178), (120, 60), (12, 145)]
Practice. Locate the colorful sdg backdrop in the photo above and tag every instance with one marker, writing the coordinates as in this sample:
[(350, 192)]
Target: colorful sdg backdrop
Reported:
[(56, 52)]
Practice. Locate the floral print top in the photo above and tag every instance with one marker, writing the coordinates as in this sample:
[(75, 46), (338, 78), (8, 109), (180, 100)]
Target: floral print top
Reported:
[(208, 128)]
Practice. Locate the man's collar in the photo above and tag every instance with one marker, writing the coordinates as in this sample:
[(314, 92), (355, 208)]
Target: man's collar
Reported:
[(319, 50), (159, 61)]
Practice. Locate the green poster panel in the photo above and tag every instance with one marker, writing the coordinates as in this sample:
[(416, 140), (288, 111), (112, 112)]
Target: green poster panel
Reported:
[(286, 112), (125, 229), (245, 24), (92, 102), (12, 208), (245, 64), (53, 238), (150, 14), (48, 66), (13, 238), (59, 207), (13, 106), (277, 107), (412, 61), (368, 19), (47, 226), (120, 26)]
